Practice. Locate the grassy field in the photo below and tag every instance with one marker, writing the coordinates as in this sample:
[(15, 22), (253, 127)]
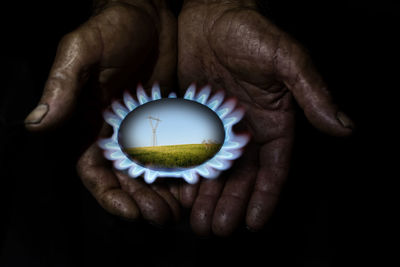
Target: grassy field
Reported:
[(175, 156)]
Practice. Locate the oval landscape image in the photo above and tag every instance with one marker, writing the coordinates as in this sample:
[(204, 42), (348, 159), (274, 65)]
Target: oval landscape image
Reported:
[(171, 133)]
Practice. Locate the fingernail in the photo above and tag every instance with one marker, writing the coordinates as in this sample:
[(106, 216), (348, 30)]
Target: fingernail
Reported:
[(37, 114), (345, 120)]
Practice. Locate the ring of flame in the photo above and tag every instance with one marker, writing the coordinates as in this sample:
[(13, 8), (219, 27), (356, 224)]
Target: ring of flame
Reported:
[(222, 160)]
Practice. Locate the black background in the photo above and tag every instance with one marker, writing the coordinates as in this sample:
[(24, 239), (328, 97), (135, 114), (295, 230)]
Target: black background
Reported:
[(330, 208)]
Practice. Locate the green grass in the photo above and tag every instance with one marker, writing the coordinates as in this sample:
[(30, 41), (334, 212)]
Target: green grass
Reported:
[(175, 156)]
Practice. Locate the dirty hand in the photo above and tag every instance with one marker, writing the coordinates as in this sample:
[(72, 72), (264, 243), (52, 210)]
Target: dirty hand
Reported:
[(232, 47), (123, 43)]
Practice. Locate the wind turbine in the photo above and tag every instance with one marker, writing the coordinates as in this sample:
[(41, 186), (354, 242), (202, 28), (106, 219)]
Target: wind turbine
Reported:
[(154, 128)]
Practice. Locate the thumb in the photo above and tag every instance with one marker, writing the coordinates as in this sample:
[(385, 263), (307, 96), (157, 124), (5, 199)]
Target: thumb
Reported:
[(300, 76), (76, 52)]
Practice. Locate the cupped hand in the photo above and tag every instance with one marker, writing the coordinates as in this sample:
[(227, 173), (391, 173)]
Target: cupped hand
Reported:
[(124, 43), (230, 46)]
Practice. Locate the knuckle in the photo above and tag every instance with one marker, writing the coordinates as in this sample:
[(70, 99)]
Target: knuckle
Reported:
[(220, 225), (118, 14), (254, 219), (151, 207), (199, 217), (116, 203), (71, 38), (82, 166), (291, 57)]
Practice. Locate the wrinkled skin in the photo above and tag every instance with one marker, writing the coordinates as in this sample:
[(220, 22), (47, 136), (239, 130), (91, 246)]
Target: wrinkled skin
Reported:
[(115, 48), (230, 46), (226, 44)]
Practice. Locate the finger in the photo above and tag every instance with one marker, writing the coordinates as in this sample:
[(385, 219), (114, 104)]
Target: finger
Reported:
[(204, 206), (188, 193), (274, 160), (76, 52), (162, 191), (232, 204), (152, 206), (104, 186), (296, 70)]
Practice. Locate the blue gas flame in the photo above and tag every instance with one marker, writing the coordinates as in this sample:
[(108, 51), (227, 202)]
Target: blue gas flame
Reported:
[(226, 110)]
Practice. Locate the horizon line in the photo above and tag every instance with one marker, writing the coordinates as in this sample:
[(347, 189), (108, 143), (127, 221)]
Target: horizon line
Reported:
[(173, 145)]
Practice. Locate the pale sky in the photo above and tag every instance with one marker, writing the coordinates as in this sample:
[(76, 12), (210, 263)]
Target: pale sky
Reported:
[(182, 122)]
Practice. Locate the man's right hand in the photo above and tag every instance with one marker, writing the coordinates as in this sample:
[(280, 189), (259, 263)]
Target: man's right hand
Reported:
[(124, 43)]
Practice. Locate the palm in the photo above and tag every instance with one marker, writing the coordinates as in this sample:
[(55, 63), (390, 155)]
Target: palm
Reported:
[(267, 101), (239, 51)]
